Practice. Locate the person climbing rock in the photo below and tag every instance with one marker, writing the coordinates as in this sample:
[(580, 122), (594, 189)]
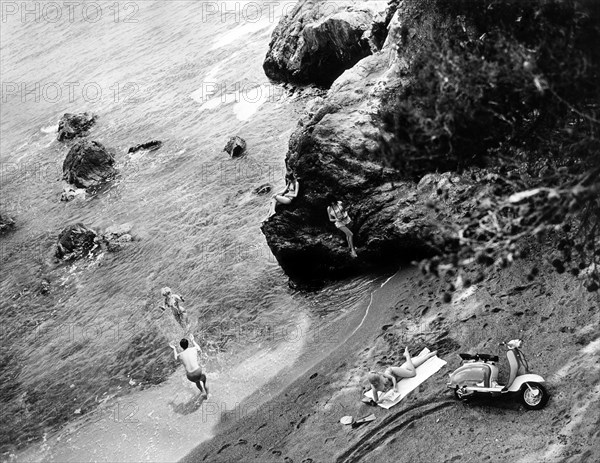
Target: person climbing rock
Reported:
[(172, 301), (189, 359), (339, 216)]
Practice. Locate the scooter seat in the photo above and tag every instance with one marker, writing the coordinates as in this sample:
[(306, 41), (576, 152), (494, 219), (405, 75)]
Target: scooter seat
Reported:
[(484, 357), (490, 358)]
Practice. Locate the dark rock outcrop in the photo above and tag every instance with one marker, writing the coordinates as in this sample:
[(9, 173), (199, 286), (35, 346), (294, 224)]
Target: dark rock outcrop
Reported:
[(333, 154), (78, 241), (264, 189), (236, 147), (6, 224), (316, 42), (88, 164), (150, 146), (74, 125), (75, 241)]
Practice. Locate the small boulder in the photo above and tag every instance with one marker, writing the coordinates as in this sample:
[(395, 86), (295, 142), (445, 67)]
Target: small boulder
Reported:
[(117, 236), (75, 241), (74, 125), (236, 147), (6, 224), (150, 146), (70, 193), (88, 164), (264, 189)]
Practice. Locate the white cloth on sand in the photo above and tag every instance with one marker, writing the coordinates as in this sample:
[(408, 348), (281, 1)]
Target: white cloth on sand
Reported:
[(406, 385)]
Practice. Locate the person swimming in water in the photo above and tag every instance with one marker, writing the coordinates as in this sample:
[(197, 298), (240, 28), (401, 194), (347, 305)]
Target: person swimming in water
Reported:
[(172, 301), (339, 216), (383, 382), (189, 359), (286, 196)]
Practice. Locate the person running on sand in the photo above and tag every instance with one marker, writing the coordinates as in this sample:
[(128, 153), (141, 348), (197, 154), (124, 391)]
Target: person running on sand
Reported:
[(172, 301), (189, 358), (339, 216), (383, 382), (286, 196)]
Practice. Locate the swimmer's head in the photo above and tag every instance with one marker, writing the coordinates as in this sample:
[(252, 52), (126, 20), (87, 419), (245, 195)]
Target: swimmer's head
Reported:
[(184, 343), (165, 291)]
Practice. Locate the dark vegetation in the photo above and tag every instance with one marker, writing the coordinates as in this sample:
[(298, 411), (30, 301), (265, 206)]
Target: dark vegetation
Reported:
[(513, 87)]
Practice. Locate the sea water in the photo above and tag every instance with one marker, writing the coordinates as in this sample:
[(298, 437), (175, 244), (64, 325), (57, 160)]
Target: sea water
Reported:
[(188, 73)]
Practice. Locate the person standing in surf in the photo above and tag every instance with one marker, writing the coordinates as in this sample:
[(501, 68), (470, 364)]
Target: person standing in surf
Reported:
[(189, 359), (172, 301)]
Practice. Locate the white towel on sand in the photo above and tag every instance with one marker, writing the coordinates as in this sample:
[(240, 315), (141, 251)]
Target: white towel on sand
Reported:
[(406, 385)]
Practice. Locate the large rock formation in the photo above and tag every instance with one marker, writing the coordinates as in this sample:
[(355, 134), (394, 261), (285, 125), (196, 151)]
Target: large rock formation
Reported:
[(316, 42), (74, 125), (88, 164), (332, 154)]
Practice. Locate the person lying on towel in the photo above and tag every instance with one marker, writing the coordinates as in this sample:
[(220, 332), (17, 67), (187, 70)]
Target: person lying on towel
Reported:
[(383, 382)]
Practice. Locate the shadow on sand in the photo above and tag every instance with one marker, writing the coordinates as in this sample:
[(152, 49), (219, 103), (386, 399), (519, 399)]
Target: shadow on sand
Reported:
[(185, 408)]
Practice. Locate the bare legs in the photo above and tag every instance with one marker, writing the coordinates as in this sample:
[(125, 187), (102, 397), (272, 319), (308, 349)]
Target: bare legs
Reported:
[(277, 199), (349, 236), (408, 369)]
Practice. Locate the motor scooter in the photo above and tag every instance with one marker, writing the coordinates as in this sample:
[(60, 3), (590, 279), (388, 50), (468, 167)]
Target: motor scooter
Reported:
[(478, 375)]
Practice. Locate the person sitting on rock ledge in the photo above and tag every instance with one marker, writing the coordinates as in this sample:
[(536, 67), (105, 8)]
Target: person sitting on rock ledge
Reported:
[(172, 302), (383, 382), (339, 216), (286, 196)]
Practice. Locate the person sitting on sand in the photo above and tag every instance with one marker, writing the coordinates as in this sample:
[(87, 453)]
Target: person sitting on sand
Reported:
[(339, 216), (383, 382), (172, 301), (285, 196), (189, 358)]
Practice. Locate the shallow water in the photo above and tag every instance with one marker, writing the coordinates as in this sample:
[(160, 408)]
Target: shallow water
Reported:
[(172, 71)]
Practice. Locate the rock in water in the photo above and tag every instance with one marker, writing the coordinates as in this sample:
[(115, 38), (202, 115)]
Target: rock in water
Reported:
[(116, 237), (74, 125), (315, 43), (150, 146), (6, 224), (70, 193), (263, 189), (75, 241), (236, 146), (88, 164)]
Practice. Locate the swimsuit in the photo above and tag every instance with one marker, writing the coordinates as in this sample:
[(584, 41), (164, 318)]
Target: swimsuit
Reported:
[(196, 375), (341, 216)]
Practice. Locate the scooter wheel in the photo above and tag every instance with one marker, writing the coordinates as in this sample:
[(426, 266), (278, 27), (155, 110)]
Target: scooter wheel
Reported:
[(534, 396)]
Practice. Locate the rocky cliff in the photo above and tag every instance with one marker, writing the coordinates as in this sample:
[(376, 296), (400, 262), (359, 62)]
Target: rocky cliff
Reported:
[(453, 88), (331, 154)]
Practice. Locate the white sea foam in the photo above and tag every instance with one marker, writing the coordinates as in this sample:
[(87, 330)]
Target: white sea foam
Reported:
[(50, 129)]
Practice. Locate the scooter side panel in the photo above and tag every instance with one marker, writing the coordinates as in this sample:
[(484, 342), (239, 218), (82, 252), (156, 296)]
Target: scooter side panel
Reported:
[(470, 375), (522, 379)]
